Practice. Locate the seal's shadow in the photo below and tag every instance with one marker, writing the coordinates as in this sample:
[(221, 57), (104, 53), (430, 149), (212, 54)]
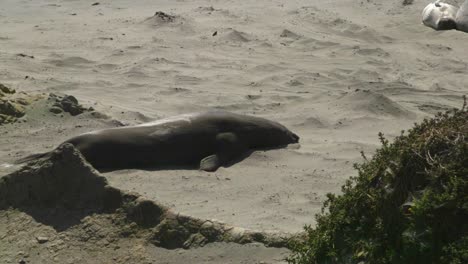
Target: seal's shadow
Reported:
[(189, 166), (192, 166)]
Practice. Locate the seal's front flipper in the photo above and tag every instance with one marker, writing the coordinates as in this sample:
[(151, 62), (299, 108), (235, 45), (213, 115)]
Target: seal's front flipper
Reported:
[(210, 163), (228, 148)]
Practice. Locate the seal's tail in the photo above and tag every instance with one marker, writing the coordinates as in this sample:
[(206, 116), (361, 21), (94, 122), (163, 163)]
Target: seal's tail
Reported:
[(31, 158)]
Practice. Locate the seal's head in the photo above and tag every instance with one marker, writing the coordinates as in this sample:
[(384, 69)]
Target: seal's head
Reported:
[(268, 134), (439, 16), (278, 135)]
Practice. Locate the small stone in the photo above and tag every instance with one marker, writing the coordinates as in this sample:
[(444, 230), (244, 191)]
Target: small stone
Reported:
[(70, 98), (56, 110), (42, 239)]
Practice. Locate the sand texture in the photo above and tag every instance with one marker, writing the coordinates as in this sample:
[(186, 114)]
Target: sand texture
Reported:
[(335, 72), (66, 194)]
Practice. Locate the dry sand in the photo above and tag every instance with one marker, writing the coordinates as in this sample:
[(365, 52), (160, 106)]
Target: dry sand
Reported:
[(336, 72)]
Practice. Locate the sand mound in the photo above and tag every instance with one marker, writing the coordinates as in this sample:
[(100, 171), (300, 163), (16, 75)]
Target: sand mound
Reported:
[(160, 18), (289, 34), (232, 35), (75, 62), (63, 188), (369, 102)]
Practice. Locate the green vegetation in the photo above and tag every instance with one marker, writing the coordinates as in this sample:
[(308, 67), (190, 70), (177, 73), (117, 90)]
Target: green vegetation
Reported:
[(408, 204)]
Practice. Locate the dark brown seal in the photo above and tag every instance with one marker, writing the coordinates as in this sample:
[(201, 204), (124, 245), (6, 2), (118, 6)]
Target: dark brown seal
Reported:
[(211, 139)]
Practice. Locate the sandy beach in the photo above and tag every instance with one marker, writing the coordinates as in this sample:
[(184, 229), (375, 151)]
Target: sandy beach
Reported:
[(336, 72)]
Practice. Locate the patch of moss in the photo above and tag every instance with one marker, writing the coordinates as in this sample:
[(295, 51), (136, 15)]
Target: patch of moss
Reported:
[(408, 204), (10, 111), (13, 105), (5, 90), (11, 108)]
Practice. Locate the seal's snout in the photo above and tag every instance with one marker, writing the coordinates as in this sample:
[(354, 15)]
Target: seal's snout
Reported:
[(447, 24), (295, 138)]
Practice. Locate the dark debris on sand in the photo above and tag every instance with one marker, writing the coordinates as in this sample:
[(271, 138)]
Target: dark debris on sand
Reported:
[(66, 103), (164, 17)]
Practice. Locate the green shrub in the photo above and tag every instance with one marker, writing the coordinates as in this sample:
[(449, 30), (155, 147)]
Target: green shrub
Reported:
[(408, 204)]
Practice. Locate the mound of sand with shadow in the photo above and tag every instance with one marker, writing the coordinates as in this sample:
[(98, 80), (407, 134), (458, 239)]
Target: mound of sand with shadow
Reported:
[(160, 18), (368, 102), (61, 190)]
